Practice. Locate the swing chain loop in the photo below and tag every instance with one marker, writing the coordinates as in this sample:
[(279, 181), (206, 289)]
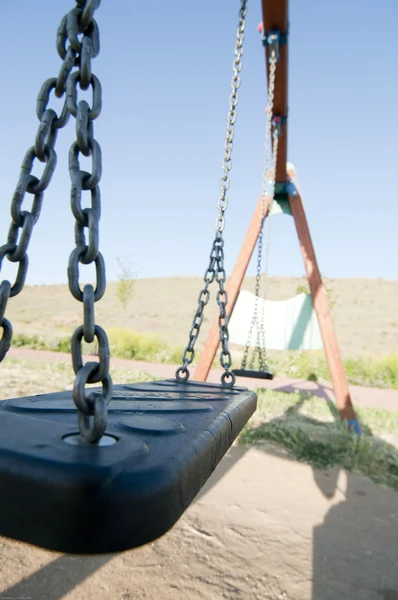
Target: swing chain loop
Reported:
[(216, 270), (23, 221), (91, 405)]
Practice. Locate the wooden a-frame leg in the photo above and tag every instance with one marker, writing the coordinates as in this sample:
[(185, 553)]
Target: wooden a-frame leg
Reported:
[(321, 305)]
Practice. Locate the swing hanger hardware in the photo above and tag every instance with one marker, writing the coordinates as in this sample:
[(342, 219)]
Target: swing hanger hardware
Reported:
[(277, 123), (285, 188), (273, 40)]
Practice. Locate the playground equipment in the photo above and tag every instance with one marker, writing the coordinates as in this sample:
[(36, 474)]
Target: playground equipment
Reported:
[(286, 194), (127, 472)]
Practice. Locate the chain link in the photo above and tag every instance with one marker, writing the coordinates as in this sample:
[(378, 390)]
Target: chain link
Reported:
[(216, 270), (260, 339), (91, 406), (77, 43), (43, 150)]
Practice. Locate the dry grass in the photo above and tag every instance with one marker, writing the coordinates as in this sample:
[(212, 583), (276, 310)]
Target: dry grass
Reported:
[(310, 431), (28, 377), (364, 313)]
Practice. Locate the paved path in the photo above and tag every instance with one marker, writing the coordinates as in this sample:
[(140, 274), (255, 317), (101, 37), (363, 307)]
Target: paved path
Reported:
[(361, 396)]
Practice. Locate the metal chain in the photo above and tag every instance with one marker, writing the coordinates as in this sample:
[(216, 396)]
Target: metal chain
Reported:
[(79, 28), (23, 221), (91, 406), (260, 348), (216, 269), (260, 341), (272, 200)]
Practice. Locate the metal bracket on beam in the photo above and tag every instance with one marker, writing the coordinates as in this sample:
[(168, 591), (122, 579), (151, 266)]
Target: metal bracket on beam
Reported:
[(291, 189), (278, 122), (285, 188), (280, 204), (273, 39)]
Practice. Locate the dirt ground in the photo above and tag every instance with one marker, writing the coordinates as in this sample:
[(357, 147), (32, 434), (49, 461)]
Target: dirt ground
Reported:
[(364, 311), (264, 527)]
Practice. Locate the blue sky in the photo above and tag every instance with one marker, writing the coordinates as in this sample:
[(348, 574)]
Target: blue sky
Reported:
[(165, 69)]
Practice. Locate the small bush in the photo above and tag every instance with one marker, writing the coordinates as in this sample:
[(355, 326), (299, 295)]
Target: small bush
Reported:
[(310, 365), (125, 343), (32, 341), (312, 377), (63, 345), (125, 285)]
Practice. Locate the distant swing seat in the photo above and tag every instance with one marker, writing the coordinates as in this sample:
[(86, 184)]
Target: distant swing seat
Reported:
[(289, 324), (252, 374)]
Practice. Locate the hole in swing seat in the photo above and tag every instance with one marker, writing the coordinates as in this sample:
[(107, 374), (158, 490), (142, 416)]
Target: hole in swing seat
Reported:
[(74, 439)]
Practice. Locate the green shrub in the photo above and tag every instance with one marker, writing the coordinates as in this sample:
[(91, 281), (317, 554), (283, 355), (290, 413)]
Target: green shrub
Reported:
[(63, 345), (125, 285), (32, 341), (310, 365), (305, 427), (126, 343)]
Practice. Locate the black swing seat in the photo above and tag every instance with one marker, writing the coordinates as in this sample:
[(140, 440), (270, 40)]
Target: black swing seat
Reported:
[(162, 442), (250, 373)]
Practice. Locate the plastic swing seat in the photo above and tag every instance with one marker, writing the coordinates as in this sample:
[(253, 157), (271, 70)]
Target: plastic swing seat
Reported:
[(163, 441), (251, 374)]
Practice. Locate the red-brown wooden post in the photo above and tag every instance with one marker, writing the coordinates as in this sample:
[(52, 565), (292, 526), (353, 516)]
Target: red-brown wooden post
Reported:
[(321, 305), (275, 17)]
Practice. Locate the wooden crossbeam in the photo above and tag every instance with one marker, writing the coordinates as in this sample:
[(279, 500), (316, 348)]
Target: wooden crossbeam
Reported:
[(275, 17)]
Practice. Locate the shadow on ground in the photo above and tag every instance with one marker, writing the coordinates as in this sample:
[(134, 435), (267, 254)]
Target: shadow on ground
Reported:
[(349, 558)]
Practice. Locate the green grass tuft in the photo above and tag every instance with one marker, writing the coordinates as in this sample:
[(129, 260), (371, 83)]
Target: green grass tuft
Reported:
[(125, 343), (310, 431), (32, 341), (311, 365)]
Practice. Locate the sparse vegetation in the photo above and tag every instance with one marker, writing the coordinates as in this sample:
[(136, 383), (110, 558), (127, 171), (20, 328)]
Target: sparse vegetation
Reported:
[(125, 285), (371, 372), (304, 288), (310, 431), (29, 377), (311, 365), (125, 343), (31, 341)]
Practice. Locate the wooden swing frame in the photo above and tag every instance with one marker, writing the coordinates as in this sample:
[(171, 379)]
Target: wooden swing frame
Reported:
[(275, 18)]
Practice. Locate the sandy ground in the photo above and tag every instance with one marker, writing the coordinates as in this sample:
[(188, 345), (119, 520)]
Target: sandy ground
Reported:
[(263, 528)]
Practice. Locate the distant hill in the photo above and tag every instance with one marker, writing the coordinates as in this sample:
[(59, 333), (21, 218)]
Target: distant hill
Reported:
[(365, 311)]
